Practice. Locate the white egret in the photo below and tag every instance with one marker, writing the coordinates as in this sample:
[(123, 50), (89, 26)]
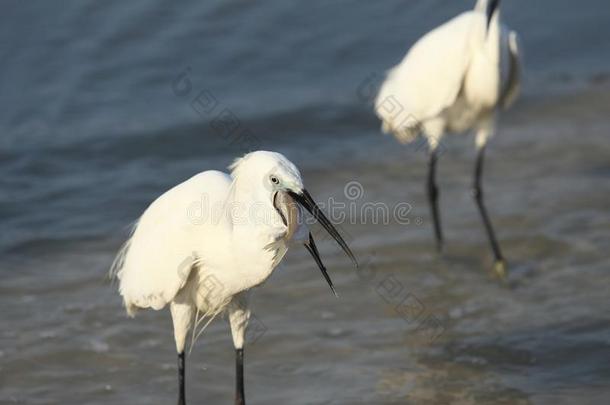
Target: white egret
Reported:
[(454, 79), (202, 246)]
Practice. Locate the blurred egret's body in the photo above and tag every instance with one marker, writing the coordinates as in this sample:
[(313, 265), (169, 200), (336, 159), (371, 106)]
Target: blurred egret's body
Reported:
[(453, 80)]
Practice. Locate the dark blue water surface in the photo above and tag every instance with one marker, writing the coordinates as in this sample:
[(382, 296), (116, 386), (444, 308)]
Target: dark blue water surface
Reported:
[(89, 114)]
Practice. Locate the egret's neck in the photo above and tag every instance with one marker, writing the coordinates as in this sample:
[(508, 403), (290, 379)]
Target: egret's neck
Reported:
[(482, 84), (255, 229), (481, 6), (250, 204), (492, 40)]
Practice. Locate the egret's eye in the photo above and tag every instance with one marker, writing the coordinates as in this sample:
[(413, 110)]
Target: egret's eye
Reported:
[(275, 180)]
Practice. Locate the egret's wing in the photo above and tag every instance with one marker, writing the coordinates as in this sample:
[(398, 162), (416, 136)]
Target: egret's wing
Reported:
[(430, 77), (512, 79), (156, 261)]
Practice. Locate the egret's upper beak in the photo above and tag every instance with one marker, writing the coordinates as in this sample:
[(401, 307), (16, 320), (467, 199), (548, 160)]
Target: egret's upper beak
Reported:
[(491, 9), (305, 199)]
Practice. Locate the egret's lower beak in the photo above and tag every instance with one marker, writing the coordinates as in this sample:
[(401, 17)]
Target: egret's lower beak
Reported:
[(491, 9), (313, 250), (305, 199)]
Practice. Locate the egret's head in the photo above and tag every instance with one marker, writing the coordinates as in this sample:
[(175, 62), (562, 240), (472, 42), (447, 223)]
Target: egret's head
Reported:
[(273, 170), (273, 175)]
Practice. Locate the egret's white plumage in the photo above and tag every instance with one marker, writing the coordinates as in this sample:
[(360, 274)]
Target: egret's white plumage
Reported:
[(201, 246), (453, 80)]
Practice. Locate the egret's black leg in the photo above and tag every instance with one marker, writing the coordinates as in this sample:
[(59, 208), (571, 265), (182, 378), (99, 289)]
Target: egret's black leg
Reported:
[(240, 398), (181, 397), (500, 266), (433, 199)]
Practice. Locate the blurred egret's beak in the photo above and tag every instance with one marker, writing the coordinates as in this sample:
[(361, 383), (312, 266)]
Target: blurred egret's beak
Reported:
[(313, 250), (305, 199), (491, 9)]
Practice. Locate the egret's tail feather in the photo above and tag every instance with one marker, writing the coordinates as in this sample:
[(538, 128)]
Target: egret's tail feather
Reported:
[(386, 128), (406, 135), (131, 309), (118, 262), (212, 306), (208, 316)]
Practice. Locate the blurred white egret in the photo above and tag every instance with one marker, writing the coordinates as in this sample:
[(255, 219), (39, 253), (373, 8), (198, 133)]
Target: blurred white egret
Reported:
[(454, 79), (205, 265)]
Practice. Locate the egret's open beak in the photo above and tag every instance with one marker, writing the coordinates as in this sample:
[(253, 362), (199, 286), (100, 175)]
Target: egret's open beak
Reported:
[(313, 250), (491, 9), (304, 198)]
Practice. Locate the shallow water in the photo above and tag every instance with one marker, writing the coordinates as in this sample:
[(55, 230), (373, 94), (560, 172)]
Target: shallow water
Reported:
[(92, 130)]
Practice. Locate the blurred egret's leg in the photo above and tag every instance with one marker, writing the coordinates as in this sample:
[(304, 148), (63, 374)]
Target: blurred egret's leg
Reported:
[(181, 396), (499, 265), (433, 199)]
